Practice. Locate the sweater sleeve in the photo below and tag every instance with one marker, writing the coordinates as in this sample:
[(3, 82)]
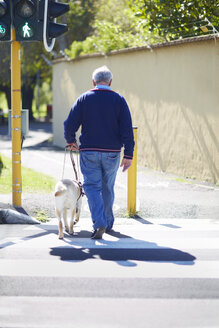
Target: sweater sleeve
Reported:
[(126, 130), (73, 122)]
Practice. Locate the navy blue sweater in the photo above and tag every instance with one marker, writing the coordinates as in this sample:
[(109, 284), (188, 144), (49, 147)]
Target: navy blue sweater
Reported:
[(105, 121)]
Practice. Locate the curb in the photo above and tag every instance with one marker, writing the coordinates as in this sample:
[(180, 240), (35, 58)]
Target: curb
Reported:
[(13, 217)]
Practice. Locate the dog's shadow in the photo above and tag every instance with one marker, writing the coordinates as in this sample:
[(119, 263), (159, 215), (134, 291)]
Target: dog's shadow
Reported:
[(125, 250)]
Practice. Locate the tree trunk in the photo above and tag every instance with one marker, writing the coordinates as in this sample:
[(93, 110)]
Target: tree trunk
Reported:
[(27, 99)]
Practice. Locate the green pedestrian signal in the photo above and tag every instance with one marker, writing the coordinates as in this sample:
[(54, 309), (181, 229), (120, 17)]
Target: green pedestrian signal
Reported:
[(26, 31), (5, 20), (27, 21)]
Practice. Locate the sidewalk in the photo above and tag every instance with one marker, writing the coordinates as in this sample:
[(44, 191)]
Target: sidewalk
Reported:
[(39, 133)]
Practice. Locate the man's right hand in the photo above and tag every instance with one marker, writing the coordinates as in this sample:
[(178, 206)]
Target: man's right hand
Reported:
[(73, 146), (126, 163)]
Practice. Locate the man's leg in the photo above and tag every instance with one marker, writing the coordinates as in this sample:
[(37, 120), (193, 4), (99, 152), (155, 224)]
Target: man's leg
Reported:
[(92, 172), (110, 165)]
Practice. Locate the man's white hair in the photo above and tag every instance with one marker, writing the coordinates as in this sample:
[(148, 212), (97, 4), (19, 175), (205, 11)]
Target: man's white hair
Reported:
[(102, 74)]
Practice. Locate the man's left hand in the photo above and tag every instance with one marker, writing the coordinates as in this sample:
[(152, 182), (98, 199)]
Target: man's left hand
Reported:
[(126, 163)]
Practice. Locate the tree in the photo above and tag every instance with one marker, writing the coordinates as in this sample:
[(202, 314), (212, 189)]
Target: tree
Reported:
[(79, 20), (115, 27), (5, 74), (175, 19), (31, 62)]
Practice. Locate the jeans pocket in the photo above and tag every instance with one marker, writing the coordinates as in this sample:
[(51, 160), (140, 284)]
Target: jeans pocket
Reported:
[(89, 160), (113, 160)]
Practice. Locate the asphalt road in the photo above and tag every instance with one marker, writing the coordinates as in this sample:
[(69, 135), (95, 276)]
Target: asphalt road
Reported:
[(164, 273)]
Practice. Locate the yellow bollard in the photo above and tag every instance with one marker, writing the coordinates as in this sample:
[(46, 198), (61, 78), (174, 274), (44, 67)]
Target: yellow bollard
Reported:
[(16, 119), (132, 179)]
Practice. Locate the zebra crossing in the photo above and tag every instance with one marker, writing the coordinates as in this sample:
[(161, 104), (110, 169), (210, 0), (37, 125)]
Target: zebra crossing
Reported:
[(145, 273)]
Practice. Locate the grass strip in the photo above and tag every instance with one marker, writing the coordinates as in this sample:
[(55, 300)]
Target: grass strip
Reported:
[(42, 216), (32, 181)]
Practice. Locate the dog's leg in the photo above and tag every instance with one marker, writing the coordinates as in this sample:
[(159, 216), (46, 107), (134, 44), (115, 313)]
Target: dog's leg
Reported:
[(65, 219), (60, 229), (72, 222), (78, 210), (58, 213), (77, 215)]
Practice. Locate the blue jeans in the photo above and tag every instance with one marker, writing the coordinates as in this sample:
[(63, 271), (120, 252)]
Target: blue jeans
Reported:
[(99, 170)]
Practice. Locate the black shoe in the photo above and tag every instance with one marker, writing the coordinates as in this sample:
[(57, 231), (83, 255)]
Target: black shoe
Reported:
[(93, 233), (109, 229), (98, 233)]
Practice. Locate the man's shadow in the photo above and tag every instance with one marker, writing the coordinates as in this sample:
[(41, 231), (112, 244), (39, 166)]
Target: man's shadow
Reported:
[(125, 254)]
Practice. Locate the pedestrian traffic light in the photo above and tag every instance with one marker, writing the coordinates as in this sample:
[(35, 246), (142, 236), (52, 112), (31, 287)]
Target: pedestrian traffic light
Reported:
[(5, 20), (52, 29), (26, 20)]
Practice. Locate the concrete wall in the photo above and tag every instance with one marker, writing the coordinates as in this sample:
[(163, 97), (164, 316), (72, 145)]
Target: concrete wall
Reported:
[(173, 93)]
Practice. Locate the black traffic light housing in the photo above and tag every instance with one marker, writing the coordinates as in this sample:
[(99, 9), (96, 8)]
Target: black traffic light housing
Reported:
[(5, 20), (56, 9), (33, 20), (27, 21), (52, 29)]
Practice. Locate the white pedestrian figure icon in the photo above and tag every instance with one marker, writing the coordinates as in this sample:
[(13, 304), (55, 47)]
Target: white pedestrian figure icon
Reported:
[(26, 30)]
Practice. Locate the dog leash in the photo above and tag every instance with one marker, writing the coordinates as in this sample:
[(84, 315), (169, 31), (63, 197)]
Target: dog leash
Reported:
[(82, 193), (63, 169), (75, 171), (73, 164)]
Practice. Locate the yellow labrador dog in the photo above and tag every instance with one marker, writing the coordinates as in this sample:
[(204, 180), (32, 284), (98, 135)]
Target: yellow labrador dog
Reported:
[(67, 197)]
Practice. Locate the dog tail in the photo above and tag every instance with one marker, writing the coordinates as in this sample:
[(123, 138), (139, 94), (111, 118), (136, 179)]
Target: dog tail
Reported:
[(60, 189), (59, 193)]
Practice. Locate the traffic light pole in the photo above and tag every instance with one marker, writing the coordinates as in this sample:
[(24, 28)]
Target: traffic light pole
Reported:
[(16, 119)]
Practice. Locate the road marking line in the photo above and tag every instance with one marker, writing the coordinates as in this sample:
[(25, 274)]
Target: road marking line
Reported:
[(112, 269)]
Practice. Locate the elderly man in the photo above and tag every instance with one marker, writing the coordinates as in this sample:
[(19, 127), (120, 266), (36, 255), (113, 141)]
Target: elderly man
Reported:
[(106, 127)]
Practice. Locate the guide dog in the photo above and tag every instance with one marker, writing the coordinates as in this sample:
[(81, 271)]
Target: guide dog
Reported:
[(68, 197)]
